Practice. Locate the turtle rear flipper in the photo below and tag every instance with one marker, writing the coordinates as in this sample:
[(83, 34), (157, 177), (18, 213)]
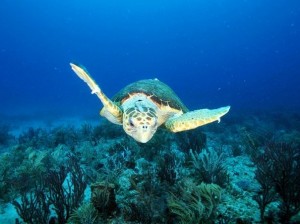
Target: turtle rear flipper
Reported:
[(194, 119), (111, 108)]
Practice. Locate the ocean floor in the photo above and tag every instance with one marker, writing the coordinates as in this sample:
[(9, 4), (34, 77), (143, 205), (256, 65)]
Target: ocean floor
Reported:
[(224, 172)]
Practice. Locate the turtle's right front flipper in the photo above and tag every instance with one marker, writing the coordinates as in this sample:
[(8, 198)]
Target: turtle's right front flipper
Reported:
[(110, 109), (194, 119)]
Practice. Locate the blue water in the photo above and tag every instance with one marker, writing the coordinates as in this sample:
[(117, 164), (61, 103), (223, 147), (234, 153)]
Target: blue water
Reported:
[(212, 53)]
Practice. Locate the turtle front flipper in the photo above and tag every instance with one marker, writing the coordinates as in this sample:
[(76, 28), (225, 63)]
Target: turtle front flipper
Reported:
[(194, 119), (111, 111)]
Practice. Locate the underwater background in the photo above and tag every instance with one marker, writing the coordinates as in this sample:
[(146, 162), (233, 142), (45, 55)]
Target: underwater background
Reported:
[(242, 53), (56, 148)]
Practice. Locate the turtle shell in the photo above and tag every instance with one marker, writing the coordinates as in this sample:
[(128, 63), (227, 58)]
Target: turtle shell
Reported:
[(160, 93)]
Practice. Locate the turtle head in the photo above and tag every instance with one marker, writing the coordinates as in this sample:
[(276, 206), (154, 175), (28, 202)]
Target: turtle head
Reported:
[(140, 123)]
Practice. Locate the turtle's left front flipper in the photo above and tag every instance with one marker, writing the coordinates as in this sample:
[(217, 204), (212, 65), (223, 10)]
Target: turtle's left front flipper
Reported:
[(194, 119), (111, 111)]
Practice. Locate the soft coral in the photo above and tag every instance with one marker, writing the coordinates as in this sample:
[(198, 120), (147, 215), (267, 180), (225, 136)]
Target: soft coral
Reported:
[(279, 168)]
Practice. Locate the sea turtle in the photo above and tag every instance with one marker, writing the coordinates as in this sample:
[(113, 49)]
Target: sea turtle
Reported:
[(143, 106)]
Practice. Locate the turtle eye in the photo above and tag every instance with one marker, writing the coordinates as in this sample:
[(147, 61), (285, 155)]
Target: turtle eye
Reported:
[(155, 121), (131, 123)]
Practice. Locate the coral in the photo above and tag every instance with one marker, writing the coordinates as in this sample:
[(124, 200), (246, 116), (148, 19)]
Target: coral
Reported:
[(85, 214), (20, 169), (141, 196), (267, 193), (58, 156), (211, 195), (85, 132), (167, 168), (279, 169), (186, 212), (291, 137), (65, 135), (4, 134), (136, 213), (103, 198), (42, 138), (209, 165), (66, 187), (34, 206), (114, 162), (35, 138), (105, 131), (263, 199), (253, 139), (36, 179), (5, 173), (171, 179), (193, 139), (149, 150), (29, 171), (195, 204)]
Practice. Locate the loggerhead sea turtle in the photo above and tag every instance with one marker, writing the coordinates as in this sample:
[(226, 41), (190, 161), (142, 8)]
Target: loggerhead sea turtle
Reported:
[(143, 106)]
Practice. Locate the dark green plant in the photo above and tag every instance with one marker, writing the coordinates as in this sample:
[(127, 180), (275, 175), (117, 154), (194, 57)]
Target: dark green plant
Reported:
[(167, 168), (66, 198), (146, 203), (193, 140), (106, 131), (85, 132), (34, 137), (85, 214), (209, 166), (236, 149), (4, 134), (34, 206), (29, 171), (20, 170), (65, 135), (161, 141), (267, 193), (279, 167), (104, 199), (27, 136), (195, 203), (6, 174)]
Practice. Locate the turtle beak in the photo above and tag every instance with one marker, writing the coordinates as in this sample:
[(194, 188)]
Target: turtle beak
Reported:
[(143, 137), (142, 133)]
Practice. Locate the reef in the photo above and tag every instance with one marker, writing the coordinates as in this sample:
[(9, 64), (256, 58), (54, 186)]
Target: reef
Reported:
[(238, 171)]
